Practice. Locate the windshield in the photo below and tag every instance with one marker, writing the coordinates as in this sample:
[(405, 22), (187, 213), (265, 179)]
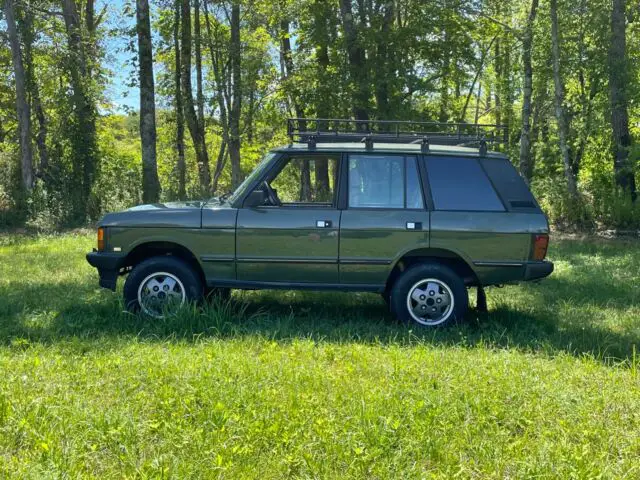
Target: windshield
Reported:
[(257, 172)]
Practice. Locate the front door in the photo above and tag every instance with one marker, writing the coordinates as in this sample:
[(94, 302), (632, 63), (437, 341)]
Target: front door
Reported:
[(293, 238)]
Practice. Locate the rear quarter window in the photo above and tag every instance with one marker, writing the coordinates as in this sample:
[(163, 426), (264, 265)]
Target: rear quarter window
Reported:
[(460, 184), (510, 185)]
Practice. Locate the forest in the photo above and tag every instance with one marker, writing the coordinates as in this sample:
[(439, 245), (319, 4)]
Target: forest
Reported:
[(217, 79)]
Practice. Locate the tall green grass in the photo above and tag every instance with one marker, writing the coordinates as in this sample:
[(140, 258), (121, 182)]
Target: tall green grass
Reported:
[(315, 385)]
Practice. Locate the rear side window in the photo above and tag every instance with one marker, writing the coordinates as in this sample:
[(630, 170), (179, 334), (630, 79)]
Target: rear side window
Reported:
[(460, 184), (378, 181), (510, 184)]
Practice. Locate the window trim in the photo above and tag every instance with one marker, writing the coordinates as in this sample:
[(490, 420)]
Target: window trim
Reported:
[(406, 158), (477, 161)]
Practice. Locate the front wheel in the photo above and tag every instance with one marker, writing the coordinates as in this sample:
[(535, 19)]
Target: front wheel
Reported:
[(429, 294), (160, 286)]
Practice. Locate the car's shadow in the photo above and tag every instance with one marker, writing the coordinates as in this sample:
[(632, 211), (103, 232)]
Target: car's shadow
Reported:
[(50, 313)]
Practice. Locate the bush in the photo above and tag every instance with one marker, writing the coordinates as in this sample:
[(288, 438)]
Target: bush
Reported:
[(564, 212)]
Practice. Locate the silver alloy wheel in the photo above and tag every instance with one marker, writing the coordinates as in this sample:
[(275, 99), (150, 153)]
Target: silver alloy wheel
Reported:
[(430, 302), (161, 294)]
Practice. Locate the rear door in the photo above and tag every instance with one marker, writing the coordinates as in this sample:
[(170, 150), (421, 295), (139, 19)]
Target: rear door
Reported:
[(384, 217)]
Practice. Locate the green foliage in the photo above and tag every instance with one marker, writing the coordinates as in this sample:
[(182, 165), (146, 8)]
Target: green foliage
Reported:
[(314, 385), (12, 211)]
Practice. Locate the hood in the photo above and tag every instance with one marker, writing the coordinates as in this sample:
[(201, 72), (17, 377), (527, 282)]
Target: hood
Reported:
[(197, 204), (161, 215)]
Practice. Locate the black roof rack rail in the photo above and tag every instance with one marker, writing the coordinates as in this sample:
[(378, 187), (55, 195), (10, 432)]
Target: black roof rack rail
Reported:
[(332, 130)]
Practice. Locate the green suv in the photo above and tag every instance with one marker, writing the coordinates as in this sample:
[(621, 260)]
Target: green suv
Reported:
[(404, 209)]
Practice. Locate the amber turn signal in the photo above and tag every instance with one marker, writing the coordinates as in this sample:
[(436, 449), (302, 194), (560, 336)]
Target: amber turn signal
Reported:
[(540, 246), (101, 239)]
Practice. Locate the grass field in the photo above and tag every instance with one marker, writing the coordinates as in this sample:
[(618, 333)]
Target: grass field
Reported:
[(312, 385)]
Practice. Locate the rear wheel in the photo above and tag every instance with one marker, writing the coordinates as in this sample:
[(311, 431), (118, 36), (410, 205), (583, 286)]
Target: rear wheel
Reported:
[(429, 294), (160, 286)]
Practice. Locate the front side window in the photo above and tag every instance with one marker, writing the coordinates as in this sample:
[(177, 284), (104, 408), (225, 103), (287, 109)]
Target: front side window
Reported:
[(306, 180), (257, 172), (377, 181), (460, 184)]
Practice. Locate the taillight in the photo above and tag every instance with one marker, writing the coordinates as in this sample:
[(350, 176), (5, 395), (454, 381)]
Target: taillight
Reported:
[(101, 239), (540, 246)]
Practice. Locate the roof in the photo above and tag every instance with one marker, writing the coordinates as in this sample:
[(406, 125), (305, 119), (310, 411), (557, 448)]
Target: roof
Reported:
[(408, 148)]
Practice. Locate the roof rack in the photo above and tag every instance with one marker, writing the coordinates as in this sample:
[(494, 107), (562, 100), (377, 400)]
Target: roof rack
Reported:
[(330, 130)]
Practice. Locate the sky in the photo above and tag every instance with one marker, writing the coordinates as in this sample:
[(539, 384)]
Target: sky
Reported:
[(118, 92)]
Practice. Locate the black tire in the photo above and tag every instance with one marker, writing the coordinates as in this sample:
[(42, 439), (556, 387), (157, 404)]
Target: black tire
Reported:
[(189, 278), (450, 286)]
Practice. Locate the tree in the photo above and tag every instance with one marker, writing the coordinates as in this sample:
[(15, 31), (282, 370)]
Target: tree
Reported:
[(323, 105), (357, 63), (287, 55), (220, 69), (181, 165), (618, 80), (28, 38), (84, 135), (526, 164), (563, 126), (235, 53), (193, 124), (150, 181), (384, 62), (22, 104), (197, 37)]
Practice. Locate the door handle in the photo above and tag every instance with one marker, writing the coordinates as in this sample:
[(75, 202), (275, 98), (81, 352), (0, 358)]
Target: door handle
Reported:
[(323, 223), (414, 226)]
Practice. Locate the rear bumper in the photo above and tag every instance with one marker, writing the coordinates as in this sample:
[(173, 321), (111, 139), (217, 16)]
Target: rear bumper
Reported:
[(537, 270), (108, 265)]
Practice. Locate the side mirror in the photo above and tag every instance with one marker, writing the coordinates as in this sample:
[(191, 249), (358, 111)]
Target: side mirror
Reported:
[(256, 198)]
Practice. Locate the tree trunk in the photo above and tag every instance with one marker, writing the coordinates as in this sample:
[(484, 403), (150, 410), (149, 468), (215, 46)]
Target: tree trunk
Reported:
[(22, 105), (287, 56), (148, 134), (618, 80), (249, 128), (384, 63), (181, 164), (236, 105), (323, 109), (507, 87), (476, 117), (445, 99), (221, 83), (498, 86), (28, 38), (222, 156), (483, 57), (41, 137), (199, 87), (191, 117), (84, 141), (563, 126), (526, 163), (357, 63)]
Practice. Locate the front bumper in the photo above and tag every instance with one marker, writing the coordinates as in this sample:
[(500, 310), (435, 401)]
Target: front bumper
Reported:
[(108, 265), (537, 270)]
